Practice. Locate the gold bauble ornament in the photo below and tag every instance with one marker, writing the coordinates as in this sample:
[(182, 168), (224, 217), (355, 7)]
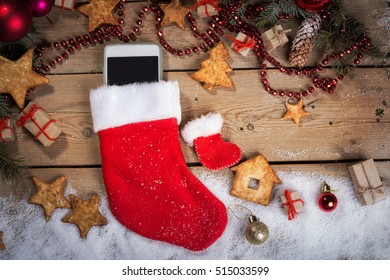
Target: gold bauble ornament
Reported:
[(256, 232)]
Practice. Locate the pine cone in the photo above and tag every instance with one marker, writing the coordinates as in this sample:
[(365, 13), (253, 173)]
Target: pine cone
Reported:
[(303, 43)]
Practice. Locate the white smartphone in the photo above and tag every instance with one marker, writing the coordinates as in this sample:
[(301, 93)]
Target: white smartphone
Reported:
[(132, 63)]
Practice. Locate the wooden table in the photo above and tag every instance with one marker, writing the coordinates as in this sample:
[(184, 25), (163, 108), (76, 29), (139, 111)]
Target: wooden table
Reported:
[(342, 128)]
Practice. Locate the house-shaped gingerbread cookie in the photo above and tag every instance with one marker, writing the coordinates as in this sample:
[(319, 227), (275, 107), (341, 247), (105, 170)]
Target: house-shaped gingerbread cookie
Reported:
[(254, 180)]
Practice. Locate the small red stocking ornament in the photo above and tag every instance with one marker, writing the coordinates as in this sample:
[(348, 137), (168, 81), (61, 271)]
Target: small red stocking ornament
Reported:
[(204, 134), (149, 187)]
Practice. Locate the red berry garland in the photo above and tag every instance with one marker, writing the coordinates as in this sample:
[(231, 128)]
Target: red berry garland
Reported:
[(227, 18)]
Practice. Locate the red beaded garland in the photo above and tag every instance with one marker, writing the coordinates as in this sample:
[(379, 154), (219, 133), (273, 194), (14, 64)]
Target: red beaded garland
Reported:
[(226, 18)]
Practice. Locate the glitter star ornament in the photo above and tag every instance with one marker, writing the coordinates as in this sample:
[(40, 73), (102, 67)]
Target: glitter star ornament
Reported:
[(50, 195), (16, 77), (99, 12), (295, 110), (85, 214), (174, 12)]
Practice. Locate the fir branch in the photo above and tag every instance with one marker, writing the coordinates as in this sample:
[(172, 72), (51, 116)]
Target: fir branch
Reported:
[(269, 17), (3, 108), (11, 168), (343, 67), (341, 32)]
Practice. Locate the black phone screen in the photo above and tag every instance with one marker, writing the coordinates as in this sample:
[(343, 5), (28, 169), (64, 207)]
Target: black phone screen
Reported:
[(128, 70)]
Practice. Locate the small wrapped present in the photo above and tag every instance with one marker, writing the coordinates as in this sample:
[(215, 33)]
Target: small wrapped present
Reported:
[(7, 132), (242, 43), (367, 182), (207, 8), (65, 4), (274, 38), (292, 203), (35, 120)]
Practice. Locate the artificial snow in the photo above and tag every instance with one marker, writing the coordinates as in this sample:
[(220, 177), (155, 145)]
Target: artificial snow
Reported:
[(352, 231)]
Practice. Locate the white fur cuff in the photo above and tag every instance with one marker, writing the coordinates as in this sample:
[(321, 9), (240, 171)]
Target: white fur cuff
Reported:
[(205, 125), (113, 106)]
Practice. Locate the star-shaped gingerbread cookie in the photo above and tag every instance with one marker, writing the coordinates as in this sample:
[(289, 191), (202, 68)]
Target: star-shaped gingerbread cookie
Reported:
[(85, 214), (17, 76), (50, 195), (295, 111), (174, 12), (99, 12), (2, 246)]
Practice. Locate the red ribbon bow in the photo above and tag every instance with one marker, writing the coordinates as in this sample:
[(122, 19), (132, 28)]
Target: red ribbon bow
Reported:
[(212, 3), (30, 116), (4, 125), (248, 42), (290, 203)]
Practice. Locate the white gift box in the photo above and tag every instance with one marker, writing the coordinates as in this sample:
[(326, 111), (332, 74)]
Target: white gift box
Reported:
[(207, 8), (242, 44), (65, 4)]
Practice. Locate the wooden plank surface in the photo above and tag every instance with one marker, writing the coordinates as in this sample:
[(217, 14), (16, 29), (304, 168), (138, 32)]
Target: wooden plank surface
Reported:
[(342, 127), (66, 24)]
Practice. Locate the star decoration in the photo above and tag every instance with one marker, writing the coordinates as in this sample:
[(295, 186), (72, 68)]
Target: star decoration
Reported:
[(295, 111), (2, 246), (99, 12), (17, 76), (85, 214), (174, 12), (50, 195)]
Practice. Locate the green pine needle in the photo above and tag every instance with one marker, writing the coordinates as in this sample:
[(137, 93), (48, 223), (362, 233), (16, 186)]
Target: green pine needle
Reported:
[(343, 67), (11, 168), (269, 17), (3, 108)]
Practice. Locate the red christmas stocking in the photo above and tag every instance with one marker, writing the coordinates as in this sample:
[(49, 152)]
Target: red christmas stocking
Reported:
[(204, 134), (149, 187)]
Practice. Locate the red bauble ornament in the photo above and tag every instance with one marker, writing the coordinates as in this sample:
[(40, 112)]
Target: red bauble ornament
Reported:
[(312, 5), (327, 202), (15, 20), (40, 8)]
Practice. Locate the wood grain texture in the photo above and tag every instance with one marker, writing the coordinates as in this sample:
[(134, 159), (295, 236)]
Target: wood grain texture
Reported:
[(341, 126), (65, 24)]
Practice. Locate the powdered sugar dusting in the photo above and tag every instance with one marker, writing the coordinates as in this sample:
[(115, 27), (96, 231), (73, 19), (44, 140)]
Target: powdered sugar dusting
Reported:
[(352, 231)]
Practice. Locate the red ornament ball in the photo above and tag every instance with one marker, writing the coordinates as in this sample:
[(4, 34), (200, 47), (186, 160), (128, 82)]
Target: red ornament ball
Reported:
[(327, 202), (313, 5), (40, 8), (15, 20)]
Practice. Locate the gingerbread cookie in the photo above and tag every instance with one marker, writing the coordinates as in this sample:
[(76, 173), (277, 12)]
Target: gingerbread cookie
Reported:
[(214, 70), (99, 12), (295, 111), (50, 195), (18, 76), (254, 180), (85, 214), (2, 246), (174, 12)]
